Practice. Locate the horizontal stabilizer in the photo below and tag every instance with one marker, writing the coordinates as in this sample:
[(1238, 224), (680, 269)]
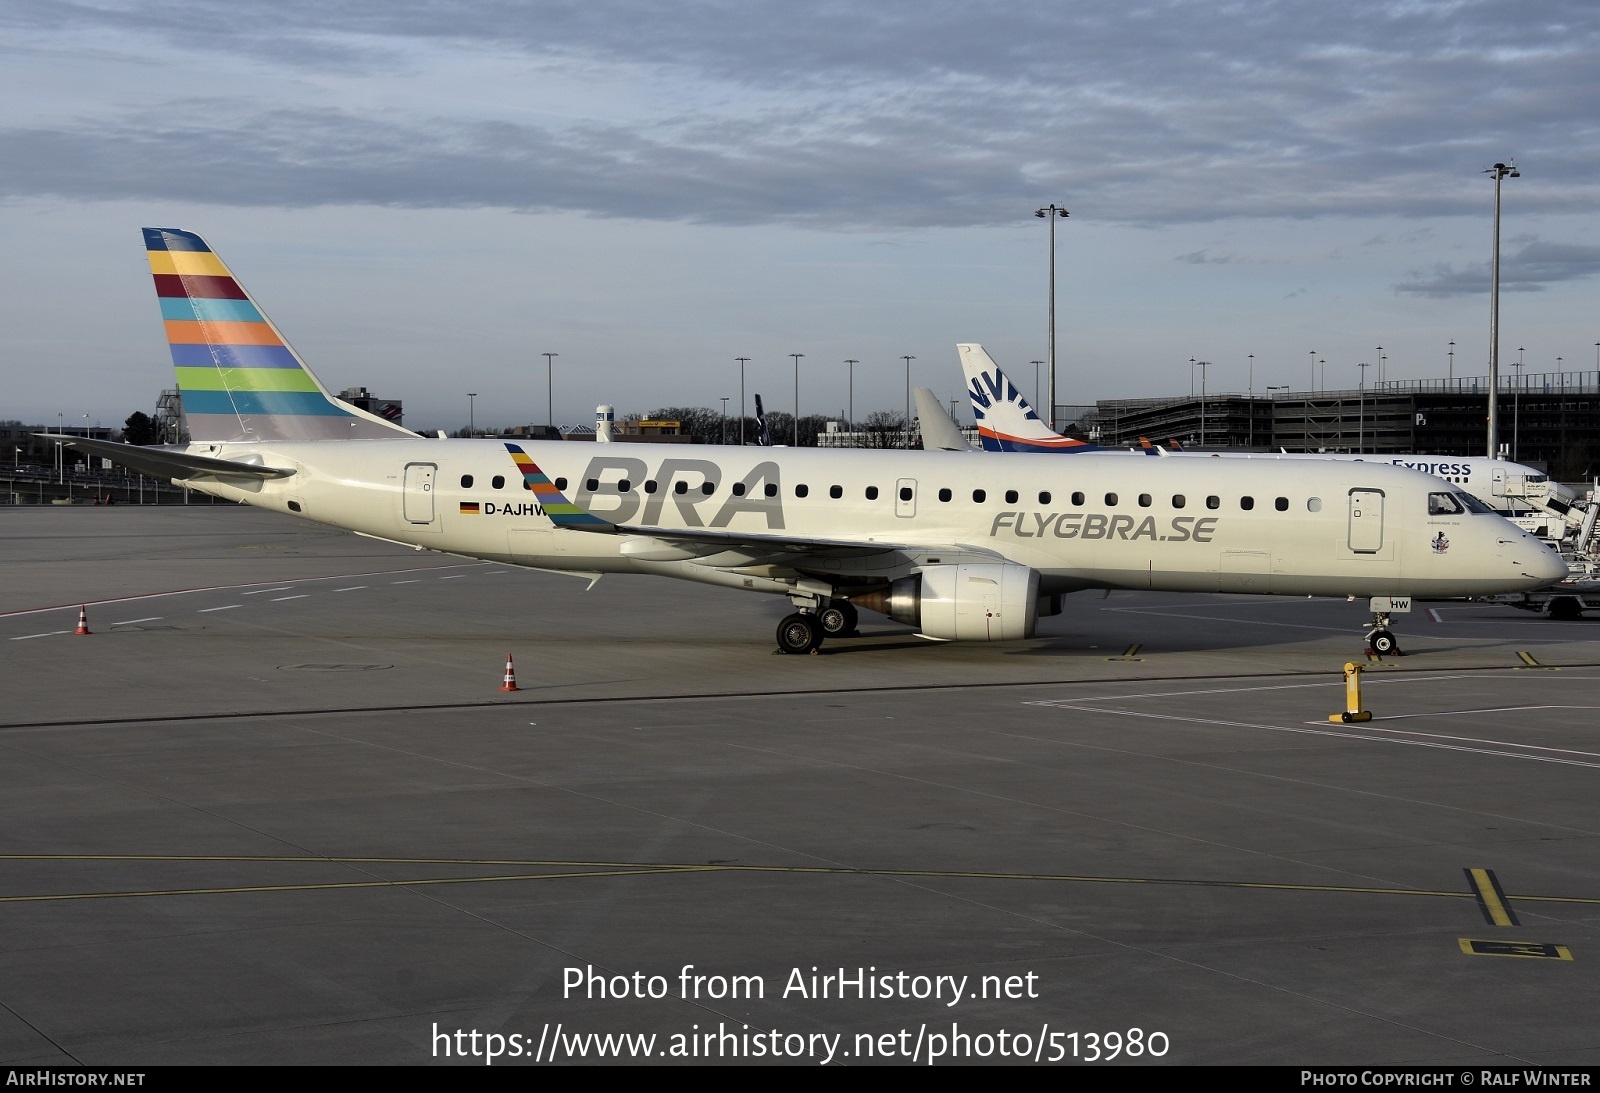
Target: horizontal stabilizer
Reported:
[(173, 463)]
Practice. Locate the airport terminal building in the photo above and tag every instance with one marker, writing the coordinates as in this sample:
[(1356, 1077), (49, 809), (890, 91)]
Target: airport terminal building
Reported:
[(1551, 419)]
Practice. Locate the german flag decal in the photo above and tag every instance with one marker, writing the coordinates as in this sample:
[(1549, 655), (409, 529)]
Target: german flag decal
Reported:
[(469, 508)]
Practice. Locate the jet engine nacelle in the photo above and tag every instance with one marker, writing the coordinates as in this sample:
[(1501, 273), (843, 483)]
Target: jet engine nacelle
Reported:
[(966, 601)]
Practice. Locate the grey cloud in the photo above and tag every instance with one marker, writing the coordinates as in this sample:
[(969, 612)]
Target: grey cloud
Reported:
[(895, 114), (1203, 257), (1536, 264)]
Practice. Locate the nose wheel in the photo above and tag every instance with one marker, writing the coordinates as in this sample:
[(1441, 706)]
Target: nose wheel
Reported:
[(1381, 641), (799, 634)]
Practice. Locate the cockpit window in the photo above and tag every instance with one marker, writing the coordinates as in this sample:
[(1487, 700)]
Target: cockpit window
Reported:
[(1474, 504), (1444, 504)]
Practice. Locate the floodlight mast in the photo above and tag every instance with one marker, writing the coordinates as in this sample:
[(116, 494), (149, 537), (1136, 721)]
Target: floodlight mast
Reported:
[(1050, 212), (1499, 171)]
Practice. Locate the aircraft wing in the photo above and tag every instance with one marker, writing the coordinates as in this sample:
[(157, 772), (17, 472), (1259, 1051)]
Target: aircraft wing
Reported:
[(715, 547), (737, 549), (164, 462)]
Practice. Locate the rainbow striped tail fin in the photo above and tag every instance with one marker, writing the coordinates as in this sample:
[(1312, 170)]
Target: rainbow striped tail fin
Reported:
[(237, 375)]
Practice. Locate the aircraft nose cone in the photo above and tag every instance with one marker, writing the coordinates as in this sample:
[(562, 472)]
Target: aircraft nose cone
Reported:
[(1541, 563)]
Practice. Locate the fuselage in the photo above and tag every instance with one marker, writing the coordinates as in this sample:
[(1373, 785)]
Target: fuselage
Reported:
[(1298, 527)]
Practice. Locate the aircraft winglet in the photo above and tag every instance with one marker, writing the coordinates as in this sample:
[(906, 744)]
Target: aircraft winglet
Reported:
[(562, 513)]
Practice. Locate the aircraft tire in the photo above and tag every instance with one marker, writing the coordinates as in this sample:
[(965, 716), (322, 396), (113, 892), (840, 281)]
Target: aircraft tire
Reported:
[(838, 619), (1384, 644), (799, 634)]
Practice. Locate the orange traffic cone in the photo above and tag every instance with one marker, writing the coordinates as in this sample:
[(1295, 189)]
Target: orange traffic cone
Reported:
[(83, 621), (510, 683)]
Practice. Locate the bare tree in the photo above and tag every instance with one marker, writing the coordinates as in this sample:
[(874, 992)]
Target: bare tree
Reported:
[(884, 429)]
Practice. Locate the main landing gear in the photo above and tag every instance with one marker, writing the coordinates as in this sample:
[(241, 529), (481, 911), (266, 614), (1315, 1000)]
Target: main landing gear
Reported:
[(1380, 641), (838, 618), (803, 631)]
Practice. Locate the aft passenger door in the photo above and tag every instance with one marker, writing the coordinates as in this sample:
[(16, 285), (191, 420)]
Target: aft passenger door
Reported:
[(1366, 521), (418, 493)]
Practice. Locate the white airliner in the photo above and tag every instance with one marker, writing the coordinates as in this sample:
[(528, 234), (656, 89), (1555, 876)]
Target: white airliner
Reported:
[(961, 548), (1006, 423)]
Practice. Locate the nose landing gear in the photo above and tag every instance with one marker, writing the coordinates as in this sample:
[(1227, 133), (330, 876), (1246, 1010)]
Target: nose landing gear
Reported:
[(1380, 641)]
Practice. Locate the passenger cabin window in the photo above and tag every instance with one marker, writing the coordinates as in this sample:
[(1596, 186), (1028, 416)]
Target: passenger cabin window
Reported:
[(1011, 497), (836, 492), (1077, 498), (979, 496), (649, 485), (680, 487), (1281, 504), (872, 493), (945, 495), (466, 481), (1144, 500), (1313, 504), (499, 482), (738, 489), (622, 487), (593, 484), (771, 489), (561, 483), (1444, 504), (801, 490), (1213, 502), (1247, 503), (1178, 501), (1044, 497), (708, 488), (1111, 500), (905, 493)]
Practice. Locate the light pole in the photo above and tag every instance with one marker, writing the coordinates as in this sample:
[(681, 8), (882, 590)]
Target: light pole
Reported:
[(908, 358), (1361, 444), (1313, 386), (1452, 365), (850, 406), (471, 419), (1203, 366), (1036, 365), (1516, 406), (550, 388), (1049, 212), (1252, 390), (1381, 361), (724, 419), (797, 357), (1499, 171), (742, 362)]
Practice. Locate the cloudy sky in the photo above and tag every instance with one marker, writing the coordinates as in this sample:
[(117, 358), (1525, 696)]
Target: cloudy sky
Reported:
[(427, 195)]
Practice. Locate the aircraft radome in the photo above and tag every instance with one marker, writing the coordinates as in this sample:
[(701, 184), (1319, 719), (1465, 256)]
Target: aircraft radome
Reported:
[(960, 547)]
